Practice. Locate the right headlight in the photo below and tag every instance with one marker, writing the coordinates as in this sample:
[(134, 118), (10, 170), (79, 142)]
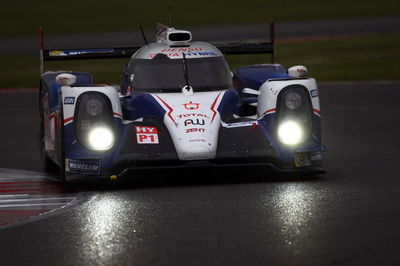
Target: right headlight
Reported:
[(94, 107)]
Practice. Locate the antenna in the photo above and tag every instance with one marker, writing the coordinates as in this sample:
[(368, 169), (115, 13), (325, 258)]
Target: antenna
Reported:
[(41, 36), (144, 35), (272, 39), (169, 16), (185, 70)]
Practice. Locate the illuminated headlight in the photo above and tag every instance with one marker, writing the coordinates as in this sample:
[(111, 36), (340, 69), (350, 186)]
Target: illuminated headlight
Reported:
[(293, 100), (290, 133), (94, 107), (101, 138)]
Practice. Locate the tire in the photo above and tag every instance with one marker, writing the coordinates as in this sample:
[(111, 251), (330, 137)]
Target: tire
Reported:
[(61, 153), (48, 165)]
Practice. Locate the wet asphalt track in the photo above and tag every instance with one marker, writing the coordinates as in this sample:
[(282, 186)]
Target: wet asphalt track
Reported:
[(350, 216)]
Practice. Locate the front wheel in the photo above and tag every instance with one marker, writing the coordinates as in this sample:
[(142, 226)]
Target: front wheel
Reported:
[(61, 150), (47, 164)]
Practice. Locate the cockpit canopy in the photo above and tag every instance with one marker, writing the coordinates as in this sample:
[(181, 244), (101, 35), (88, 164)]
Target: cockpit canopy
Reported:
[(163, 74)]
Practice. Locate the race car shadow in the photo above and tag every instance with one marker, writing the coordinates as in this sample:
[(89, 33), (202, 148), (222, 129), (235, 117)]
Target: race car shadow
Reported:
[(200, 177)]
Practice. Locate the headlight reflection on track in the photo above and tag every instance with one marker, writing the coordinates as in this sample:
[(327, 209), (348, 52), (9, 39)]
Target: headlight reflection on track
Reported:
[(295, 209), (101, 237)]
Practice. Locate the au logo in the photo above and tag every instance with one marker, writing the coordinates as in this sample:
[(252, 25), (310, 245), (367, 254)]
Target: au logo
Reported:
[(196, 122), (191, 106)]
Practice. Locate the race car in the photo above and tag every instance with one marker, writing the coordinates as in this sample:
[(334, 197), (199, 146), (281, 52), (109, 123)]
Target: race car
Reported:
[(178, 105)]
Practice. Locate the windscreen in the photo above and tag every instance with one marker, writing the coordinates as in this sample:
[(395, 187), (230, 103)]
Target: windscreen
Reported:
[(162, 74)]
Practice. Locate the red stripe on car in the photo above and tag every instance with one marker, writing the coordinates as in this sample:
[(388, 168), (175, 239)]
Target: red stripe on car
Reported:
[(269, 111), (67, 120), (213, 107), (169, 108)]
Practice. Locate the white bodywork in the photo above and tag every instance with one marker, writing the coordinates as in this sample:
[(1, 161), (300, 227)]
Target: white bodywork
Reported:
[(193, 122), (69, 109), (191, 50), (269, 91)]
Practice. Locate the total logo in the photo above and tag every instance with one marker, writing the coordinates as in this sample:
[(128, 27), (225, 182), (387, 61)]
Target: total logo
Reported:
[(191, 106), (193, 115)]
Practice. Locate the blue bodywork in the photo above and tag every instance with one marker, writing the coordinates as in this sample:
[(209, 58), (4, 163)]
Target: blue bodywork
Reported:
[(53, 89), (254, 76)]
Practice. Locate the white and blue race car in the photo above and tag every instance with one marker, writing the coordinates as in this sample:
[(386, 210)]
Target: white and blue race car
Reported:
[(178, 105)]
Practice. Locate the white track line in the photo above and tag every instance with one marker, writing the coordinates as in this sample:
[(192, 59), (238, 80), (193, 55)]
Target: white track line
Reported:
[(14, 196), (31, 205), (36, 199)]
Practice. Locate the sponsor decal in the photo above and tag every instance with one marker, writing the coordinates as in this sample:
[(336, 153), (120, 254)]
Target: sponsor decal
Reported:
[(146, 135), (83, 166), (199, 122), (187, 54), (314, 93), (307, 159), (191, 106), (316, 157), (69, 100), (301, 160), (193, 115), (204, 53), (197, 140), (57, 53), (78, 52), (194, 130), (190, 49)]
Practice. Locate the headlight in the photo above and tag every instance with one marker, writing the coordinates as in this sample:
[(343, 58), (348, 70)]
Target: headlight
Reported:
[(94, 124), (292, 100), (290, 133), (101, 138), (94, 107), (294, 118)]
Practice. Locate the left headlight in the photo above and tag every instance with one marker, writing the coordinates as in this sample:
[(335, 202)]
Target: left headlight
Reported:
[(95, 127), (292, 100), (294, 123), (101, 138)]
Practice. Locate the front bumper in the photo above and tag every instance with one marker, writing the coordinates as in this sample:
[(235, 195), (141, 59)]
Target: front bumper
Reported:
[(243, 167)]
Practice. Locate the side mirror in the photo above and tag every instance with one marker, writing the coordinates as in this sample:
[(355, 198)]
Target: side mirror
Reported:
[(297, 71), (65, 79), (250, 91)]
